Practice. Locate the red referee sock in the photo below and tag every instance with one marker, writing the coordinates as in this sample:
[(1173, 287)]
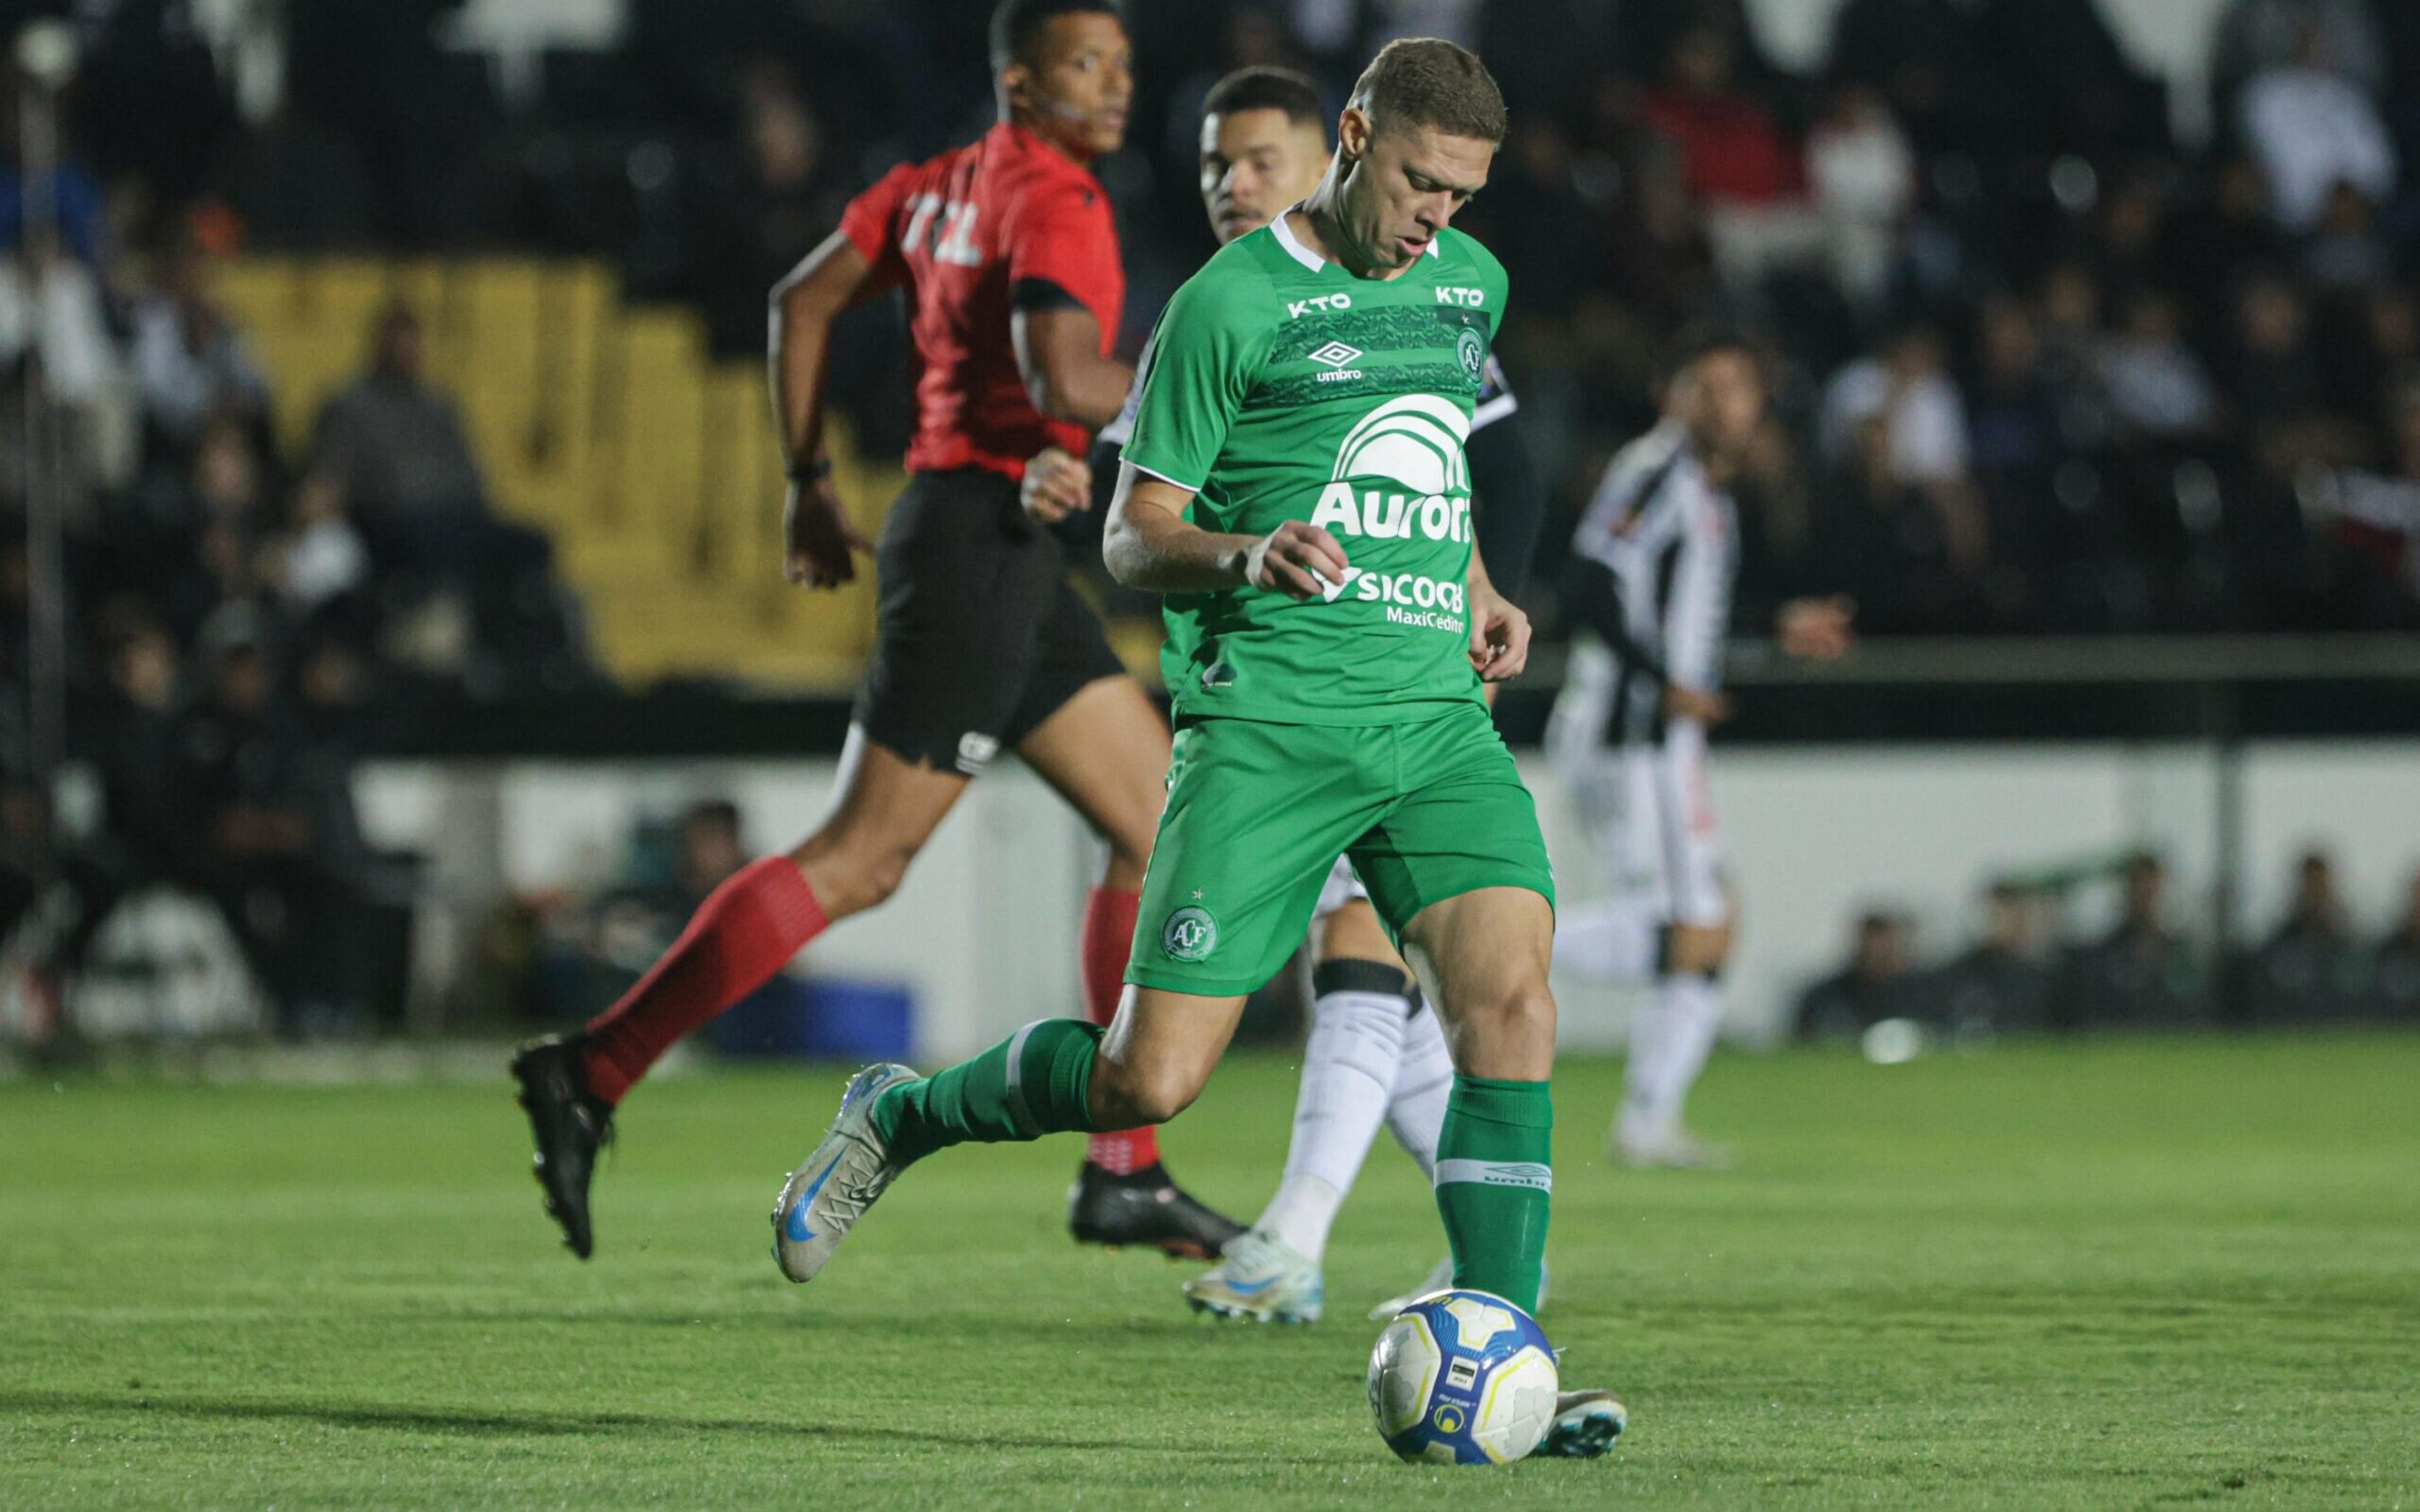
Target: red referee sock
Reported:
[(1108, 936), (745, 931)]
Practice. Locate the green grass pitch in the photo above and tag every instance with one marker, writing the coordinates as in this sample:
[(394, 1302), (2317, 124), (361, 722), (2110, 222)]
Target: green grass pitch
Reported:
[(2108, 1275)]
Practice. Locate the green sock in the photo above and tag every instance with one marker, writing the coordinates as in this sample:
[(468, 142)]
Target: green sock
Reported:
[(1493, 1178), (1031, 1084)]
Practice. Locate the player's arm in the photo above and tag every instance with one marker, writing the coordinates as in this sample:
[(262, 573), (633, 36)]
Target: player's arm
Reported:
[(1202, 361), (1063, 292), (1059, 356), (819, 537), (1150, 546)]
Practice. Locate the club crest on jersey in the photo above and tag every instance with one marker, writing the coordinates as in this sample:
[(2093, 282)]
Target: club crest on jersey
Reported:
[(1471, 347), (1190, 933)]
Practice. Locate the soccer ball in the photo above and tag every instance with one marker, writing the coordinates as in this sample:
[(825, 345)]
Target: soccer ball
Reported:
[(1463, 1378)]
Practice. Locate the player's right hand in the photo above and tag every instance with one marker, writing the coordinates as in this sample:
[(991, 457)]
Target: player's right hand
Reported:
[(1696, 705), (1294, 559), (818, 541), (1057, 485)]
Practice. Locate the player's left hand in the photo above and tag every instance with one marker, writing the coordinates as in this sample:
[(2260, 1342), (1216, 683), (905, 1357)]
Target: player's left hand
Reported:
[(819, 542), (1057, 485), (1499, 637)]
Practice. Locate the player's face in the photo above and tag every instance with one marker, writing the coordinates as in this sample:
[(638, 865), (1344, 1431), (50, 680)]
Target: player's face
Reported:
[(1723, 398), (1254, 163), (1405, 184), (1079, 84)]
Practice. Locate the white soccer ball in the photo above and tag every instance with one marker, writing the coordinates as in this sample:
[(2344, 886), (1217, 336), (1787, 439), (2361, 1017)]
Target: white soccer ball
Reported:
[(1463, 1378)]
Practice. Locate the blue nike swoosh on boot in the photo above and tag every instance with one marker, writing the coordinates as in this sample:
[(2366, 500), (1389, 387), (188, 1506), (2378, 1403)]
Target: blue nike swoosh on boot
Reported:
[(1252, 1288), (796, 1228)]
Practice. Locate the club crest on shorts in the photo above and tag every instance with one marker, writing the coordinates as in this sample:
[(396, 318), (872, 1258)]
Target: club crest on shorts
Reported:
[(1190, 933)]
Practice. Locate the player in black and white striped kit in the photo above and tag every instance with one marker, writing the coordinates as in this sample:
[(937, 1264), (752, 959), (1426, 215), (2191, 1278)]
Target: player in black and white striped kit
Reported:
[(1653, 564)]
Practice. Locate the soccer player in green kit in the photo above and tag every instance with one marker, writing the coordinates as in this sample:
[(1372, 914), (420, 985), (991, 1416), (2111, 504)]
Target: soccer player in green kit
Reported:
[(1295, 486)]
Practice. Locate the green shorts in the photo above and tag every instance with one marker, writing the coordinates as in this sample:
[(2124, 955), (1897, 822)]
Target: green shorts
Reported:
[(1258, 813)]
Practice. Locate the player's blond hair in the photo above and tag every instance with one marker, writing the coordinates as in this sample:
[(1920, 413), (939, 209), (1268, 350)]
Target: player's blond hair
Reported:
[(1426, 81)]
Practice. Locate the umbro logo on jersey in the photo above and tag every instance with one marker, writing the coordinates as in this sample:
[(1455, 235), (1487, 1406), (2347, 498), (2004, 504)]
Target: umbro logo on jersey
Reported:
[(1336, 354)]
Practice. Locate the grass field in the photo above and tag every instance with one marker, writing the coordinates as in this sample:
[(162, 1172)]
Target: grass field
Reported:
[(2115, 1275)]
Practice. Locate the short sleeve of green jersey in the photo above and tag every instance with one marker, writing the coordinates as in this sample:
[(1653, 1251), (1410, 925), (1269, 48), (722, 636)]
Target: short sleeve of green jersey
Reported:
[(1204, 356), (1491, 279)]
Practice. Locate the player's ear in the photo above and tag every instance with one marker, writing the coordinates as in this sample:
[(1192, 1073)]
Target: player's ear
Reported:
[(1353, 132), (1015, 83)]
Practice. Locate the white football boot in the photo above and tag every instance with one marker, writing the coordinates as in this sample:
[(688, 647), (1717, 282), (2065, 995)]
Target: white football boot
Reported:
[(1587, 1423), (1440, 1277), (1674, 1149), (1261, 1279), (831, 1190)]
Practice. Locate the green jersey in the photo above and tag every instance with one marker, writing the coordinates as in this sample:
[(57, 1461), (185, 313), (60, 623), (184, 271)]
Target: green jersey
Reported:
[(1277, 386)]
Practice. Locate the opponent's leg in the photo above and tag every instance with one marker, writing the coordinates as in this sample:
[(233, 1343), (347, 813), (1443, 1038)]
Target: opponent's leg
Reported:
[(1361, 998), (1362, 995), (1674, 1032), (745, 931), (1105, 752), (1670, 1038), (1052, 1076)]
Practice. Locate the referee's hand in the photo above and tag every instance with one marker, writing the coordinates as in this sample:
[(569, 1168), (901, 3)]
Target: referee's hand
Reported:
[(1057, 484), (1298, 560), (818, 542)]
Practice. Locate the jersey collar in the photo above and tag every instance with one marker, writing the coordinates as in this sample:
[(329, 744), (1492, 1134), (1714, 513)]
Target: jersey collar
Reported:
[(1283, 230)]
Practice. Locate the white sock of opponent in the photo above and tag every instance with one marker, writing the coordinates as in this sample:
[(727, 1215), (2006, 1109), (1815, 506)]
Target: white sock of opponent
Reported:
[(1611, 939), (1423, 1077), (1348, 1072), (1669, 1040)]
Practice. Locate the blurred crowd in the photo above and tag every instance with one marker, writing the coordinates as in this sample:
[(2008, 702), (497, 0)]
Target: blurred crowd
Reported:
[(2043, 365), (2025, 973), (237, 614)]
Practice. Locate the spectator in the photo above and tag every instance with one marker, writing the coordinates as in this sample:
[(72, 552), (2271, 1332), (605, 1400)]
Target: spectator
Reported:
[(396, 448), (2256, 36), (2378, 513), (2156, 384), (1909, 391), (1864, 173), (2002, 985), (2141, 974), (2396, 976), (1877, 983), (1736, 162), (189, 362), (2312, 130), (2307, 971), (2346, 251), (267, 817)]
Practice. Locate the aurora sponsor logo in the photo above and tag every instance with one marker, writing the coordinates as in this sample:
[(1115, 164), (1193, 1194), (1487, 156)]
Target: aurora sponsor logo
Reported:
[(1414, 444)]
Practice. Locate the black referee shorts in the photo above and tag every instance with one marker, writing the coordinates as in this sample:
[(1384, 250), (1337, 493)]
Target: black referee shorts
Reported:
[(978, 637)]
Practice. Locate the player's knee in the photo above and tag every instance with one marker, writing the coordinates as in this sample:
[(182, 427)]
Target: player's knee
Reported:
[(852, 873), (1127, 1095), (1517, 1014)]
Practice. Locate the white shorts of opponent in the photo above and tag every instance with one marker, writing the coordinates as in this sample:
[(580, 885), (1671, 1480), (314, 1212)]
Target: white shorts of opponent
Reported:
[(1341, 888)]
